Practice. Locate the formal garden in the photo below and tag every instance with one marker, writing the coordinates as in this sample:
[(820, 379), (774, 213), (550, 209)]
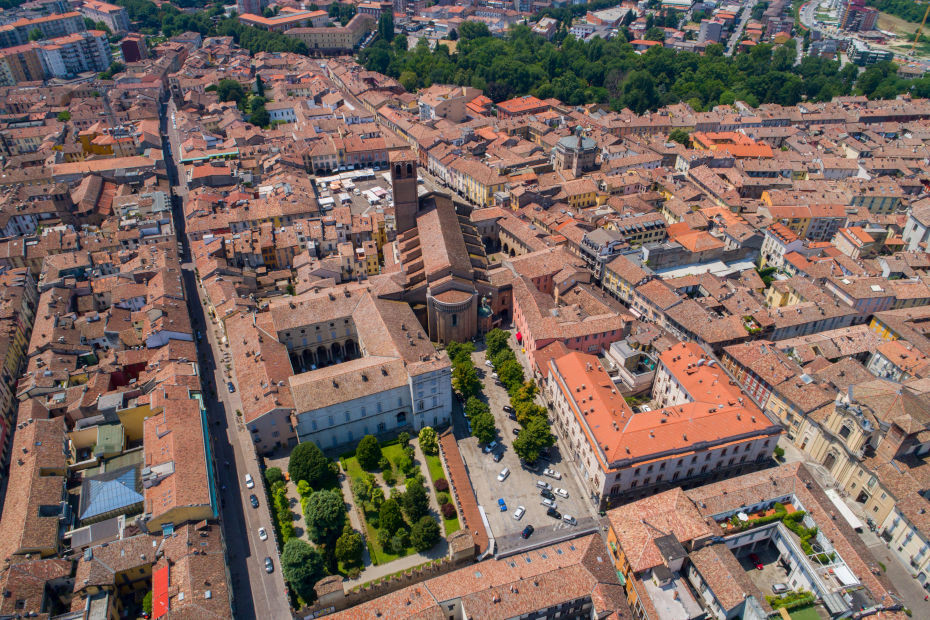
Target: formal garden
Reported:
[(332, 546), (389, 490)]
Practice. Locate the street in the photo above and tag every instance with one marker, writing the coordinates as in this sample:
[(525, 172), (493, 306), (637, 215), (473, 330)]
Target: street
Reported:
[(745, 14), (256, 594)]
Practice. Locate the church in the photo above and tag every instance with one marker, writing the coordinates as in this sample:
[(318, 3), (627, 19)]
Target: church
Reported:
[(441, 257)]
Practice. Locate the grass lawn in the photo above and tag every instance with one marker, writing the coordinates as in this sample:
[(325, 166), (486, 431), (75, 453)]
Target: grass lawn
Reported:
[(352, 467), (451, 525), (804, 613), (393, 453), (435, 468)]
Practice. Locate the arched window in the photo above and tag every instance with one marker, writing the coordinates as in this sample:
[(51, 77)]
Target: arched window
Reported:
[(397, 170), (409, 168), (401, 418), (845, 431)]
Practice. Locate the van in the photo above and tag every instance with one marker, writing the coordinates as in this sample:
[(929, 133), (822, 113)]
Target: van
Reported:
[(503, 475), (543, 485), (569, 519)]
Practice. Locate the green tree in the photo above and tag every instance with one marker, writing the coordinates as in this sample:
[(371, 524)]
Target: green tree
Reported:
[(377, 497), (307, 462), (503, 356), (302, 566), (409, 80), (465, 379), (259, 86), (511, 374), (273, 475), (64, 116), (681, 137), (36, 35), (453, 35), (460, 352), (482, 427), (415, 500), (475, 407), (496, 341), (368, 452), (655, 34), (259, 117), (229, 90), (147, 602), (424, 534), (325, 514), (303, 488), (429, 441), (527, 410), (282, 511), (386, 26), (525, 394), (535, 436), (390, 517), (474, 30), (349, 547)]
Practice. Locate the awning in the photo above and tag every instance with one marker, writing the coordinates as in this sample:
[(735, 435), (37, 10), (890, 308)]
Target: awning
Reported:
[(160, 593), (519, 337)]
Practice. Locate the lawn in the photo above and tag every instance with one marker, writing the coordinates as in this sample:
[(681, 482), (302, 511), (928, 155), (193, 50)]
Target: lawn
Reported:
[(393, 453), (352, 467), (804, 613), (435, 473), (435, 468)]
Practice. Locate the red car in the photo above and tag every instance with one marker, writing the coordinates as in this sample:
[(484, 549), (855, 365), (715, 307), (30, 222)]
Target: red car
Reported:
[(755, 561)]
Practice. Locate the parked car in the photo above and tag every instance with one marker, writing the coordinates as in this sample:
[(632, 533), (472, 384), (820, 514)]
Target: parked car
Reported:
[(502, 504), (756, 561), (543, 485), (269, 565), (549, 503), (508, 409), (497, 457), (518, 513), (555, 514), (503, 475), (552, 473), (262, 534), (249, 483), (779, 588), (490, 447), (562, 492), (516, 432), (230, 387), (569, 519), (494, 376), (512, 416), (547, 494), (253, 500), (488, 364), (527, 531)]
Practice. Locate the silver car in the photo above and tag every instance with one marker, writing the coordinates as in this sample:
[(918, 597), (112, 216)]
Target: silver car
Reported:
[(518, 513), (549, 503)]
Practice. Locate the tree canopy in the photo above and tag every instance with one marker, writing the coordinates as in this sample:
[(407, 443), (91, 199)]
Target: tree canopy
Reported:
[(424, 534), (415, 500), (308, 463), (535, 436), (349, 547), (612, 72), (390, 517), (368, 452), (429, 441), (302, 566), (325, 513)]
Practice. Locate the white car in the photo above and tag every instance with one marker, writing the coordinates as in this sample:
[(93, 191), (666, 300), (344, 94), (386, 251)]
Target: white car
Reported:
[(494, 375), (552, 473), (503, 475), (518, 513), (561, 492), (262, 534), (569, 519), (549, 503), (249, 483), (488, 364)]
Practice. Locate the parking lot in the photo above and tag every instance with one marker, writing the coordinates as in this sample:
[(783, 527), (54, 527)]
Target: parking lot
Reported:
[(519, 488)]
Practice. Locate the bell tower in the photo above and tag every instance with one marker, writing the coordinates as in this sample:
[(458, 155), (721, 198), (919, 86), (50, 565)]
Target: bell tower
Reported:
[(404, 187)]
